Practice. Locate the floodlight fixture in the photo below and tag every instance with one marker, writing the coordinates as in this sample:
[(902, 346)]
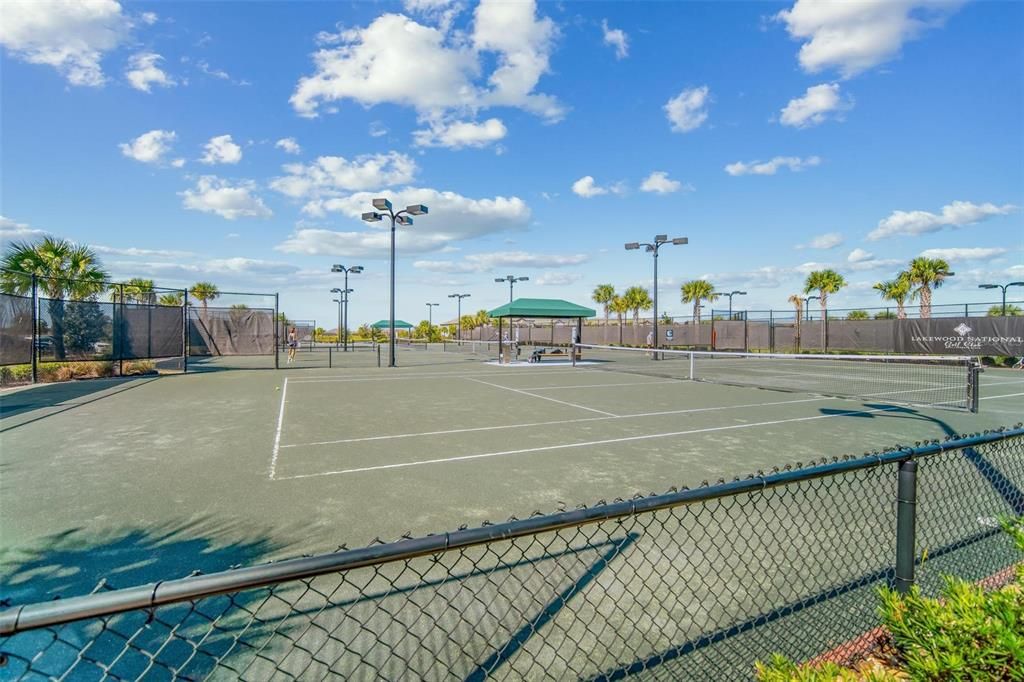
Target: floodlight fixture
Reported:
[(356, 268), (1004, 287), (652, 248), (680, 240), (372, 217), (416, 209), (382, 204), (337, 268), (632, 246), (661, 237)]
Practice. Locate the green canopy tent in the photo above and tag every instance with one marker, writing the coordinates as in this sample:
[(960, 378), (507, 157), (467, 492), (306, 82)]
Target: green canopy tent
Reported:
[(540, 308), (385, 325)]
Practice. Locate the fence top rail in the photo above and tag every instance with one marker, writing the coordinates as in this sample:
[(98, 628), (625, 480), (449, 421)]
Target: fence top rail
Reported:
[(914, 359), (44, 614)]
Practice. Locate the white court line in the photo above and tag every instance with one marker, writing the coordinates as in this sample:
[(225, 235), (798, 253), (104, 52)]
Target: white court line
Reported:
[(989, 382), (327, 380), (277, 436), (542, 397), (557, 422), (1008, 395), (608, 441), (632, 383)]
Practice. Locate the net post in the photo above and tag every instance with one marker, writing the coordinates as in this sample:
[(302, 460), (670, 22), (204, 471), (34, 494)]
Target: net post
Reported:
[(973, 385), (35, 329), (184, 333), (277, 313), (906, 525)]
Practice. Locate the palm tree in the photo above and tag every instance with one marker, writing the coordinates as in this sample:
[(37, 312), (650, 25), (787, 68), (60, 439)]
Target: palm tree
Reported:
[(1011, 311), (897, 290), (798, 302), (927, 274), (603, 295), (204, 292), (695, 291), (62, 269), (482, 318), (620, 307), (637, 299), (135, 290), (825, 282), (172, 299)]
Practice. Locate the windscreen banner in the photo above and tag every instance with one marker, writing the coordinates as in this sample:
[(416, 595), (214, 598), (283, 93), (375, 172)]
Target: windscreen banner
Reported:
[(961, 336)]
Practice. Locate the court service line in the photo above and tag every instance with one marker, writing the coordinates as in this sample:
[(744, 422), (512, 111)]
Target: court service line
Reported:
[(565, 446), (665, 413), (632, 383), (1008, 395), (327, 380), (542, 397), (277, 435)]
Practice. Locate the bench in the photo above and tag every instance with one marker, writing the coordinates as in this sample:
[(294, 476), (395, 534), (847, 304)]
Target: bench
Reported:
[(541, 353)]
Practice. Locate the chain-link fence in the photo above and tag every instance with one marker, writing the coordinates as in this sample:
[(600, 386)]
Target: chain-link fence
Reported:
[(692, 584)]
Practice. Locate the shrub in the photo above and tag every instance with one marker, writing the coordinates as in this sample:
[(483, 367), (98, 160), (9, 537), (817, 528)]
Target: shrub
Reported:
[(858, 315), (966, 634), (139, 367)]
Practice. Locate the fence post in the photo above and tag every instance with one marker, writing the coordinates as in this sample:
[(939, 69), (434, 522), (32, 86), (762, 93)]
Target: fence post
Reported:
[(771, 331), (906, 525), (35, 329), (277, 359), (967, 312), (119, 329), (184, 332)]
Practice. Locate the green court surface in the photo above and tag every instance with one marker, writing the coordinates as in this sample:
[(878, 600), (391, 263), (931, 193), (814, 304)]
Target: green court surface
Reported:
[(137, 480)]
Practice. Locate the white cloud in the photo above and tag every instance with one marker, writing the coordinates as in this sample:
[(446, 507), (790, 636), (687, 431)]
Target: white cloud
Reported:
[(793, 163), (658, 181), (150, 147), (289, 145), (459, 134), (178, 163), (955, 214), (855, 36), (72, 37), (433, 70), (149, 18), (815, 106), (587, 187), (221, 149), (965, 254), (829, 240), (378, 129), (859, 255), (140, 253), (557, 279), (452, 217), (215, 195), (144, 71), (330, 174), (617, 38), (9, 229), (484, 262), (688, 110)]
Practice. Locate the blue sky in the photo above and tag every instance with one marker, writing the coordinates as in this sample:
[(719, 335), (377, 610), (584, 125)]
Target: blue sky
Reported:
[(237, 142)]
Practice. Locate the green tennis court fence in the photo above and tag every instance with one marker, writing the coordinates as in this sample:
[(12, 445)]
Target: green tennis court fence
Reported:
[(691, 584), (927, 380)]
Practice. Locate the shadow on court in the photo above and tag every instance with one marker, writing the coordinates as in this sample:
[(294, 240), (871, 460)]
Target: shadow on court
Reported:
[(63, 396)]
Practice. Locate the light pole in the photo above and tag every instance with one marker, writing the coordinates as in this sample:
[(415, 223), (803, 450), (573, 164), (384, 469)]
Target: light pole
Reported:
[(338, 300), (430, 317), (400, 218), (807, 307), (355, 270), (459, 318), (1004, 287), (659, 241), (730, 294), (511, 279)]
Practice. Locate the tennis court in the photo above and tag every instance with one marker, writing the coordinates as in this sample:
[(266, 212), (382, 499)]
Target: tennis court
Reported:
[(149, 478)]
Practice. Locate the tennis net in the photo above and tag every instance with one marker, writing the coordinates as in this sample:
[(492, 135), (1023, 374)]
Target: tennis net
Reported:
[(935, 381), (488, 348)]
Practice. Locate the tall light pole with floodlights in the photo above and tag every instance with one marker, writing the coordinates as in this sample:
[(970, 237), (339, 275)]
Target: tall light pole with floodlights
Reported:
[(730, 294), (1004, 287), (659, 241), (382, 208), (430, 317), (338, 300), (511, 279), (459, 318), (355, 270), (807, 306)]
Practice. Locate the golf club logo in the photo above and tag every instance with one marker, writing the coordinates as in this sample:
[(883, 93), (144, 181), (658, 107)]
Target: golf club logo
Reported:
[(962, 329)]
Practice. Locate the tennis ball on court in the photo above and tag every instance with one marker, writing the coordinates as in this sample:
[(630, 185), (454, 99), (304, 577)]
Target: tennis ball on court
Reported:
[(277, 388)]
